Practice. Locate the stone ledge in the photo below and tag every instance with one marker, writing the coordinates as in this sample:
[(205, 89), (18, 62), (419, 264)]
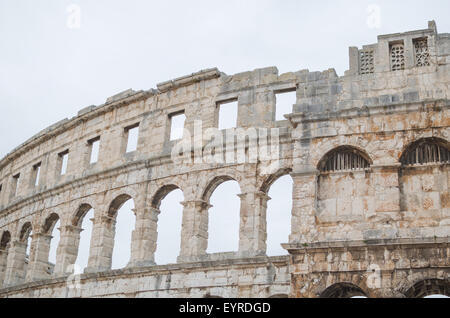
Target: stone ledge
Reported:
[(189, 79), (406, 242), (121, 95), (86, 179), (366, 111), (126, 97), (431, 30), (153, 270)]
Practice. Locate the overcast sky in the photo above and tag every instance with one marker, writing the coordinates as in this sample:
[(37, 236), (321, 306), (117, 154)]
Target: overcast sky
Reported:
[(49, 71), (51, 67)]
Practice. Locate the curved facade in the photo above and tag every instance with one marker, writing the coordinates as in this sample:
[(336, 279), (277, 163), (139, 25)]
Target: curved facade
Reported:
[(368, 153)]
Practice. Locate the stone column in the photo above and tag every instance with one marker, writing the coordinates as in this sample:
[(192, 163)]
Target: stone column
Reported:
[(67, 252), (253, 224), (354, 61), (194, 232), (38, 265), (303, 224), (102, 244), (3, 262), (387, 198), (16, 264), (144, 237)]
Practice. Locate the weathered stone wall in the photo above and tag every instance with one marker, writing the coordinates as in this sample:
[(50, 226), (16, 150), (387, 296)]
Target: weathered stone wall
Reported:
[(260, 277), (373, 112), (383, 268)]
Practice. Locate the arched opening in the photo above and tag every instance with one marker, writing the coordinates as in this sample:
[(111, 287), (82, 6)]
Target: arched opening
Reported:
[(343, 290), (49, 224), (224, 215), (83, 220), (430, 288), (426, 151), (161, 194), (423, 178), (52, 228), (344, 158), (4, 246), (212, 296), (279, 212), (25, 237), (168, 200), (344, 186), (279, 296), (5, 239), (121, 210)]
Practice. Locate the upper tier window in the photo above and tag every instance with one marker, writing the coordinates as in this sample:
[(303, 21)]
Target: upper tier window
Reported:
[(366, 62), (132, 136), (228, 112), (177, 126), (425, 152), (94, 149), (397, 56), (421, 52), (344, 159), (284, 102)]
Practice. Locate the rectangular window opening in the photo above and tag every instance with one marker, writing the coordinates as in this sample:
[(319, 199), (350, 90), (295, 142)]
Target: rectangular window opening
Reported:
[(366, 61), (421, 52), (63, 158), (132, 135), (15, 184), (36, 174), (397, 52), (284, 103), (94, 145), (228, 112), (177, 126)]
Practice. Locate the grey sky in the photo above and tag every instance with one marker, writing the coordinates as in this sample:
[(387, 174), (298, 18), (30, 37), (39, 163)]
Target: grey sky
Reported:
[(48, 71)]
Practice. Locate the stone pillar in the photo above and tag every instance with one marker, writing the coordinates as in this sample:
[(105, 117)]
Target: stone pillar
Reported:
[(3, 262), (409, 53), (194, 232), (102, 244), (387, 199), (144, 237), (16, 264), (253, 224), (67, 252), (354, 61), (303, 224), (38, 265)]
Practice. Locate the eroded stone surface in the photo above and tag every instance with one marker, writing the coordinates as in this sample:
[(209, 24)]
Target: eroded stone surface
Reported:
[(380, 229)]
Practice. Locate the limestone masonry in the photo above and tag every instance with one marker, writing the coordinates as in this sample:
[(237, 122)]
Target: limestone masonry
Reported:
[(368, 153)]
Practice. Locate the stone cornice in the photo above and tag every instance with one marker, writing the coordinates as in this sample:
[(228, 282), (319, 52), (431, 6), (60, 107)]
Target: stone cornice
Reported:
[(296, 248), (305, 172), (153, 270), (203, 75), (116, 101), (84, 180), (367, 111)]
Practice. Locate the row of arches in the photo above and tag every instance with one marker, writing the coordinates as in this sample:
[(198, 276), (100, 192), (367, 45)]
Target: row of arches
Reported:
[(222, 234), (223, 227)]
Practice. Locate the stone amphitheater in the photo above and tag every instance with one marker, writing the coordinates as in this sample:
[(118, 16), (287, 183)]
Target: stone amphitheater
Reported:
[(368, 153)]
